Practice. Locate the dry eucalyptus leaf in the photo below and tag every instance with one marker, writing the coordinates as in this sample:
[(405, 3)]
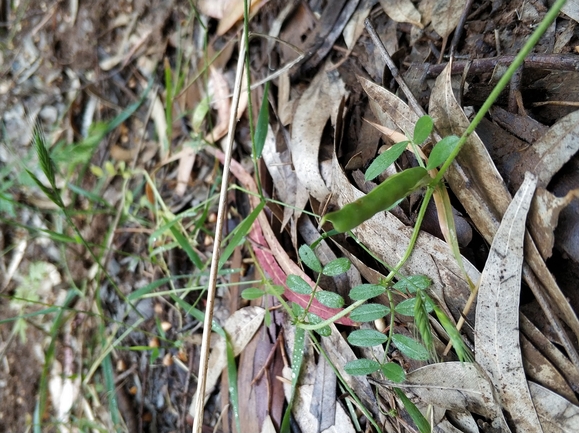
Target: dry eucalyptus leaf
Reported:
[(240, 327), (457, 387), (464, 386), (355, 26), (556, 414), (288, 187), (323, 406), (402, 11), (544, 215), (571, 9), (497, 343), (446, 15), (449, 118), (304, 394), (556, 147), (540, 370), (317, 104)]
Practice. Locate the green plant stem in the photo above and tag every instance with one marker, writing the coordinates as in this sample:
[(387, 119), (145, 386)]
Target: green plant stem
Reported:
[(517, 62)]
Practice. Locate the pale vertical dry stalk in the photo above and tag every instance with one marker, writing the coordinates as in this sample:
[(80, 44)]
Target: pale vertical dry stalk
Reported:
[(202, 375)]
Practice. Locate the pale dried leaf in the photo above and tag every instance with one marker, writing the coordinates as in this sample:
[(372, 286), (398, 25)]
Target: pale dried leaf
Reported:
[(318, 103), (160, 122), (304, 392), (323, 405), (571, 9), (220, 100), (235, 14), (339, 353), (555, 148), (288, 187), (543, 218), (240, 327), (214, 8), (458, 387), (449, 118), (268, 426), (497, 313), (355, 26), (186, 163), (556, 414), (402, 11), (464, 386), (446, 15), (464, 421)]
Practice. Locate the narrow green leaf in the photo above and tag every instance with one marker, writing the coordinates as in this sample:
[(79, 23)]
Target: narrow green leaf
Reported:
[(309, 258), (297, 284), (200, 113), (413, 411), (442, 151), (232, 379), (369, 312), (330, 299), (460, 348), (422, 129), (413, 283), (385, 160), (393, 372), (239, 234), (184, 244), (137, 294), (361, 367), (262, 123), (252, 293), (337, 267), (366, 291), (410, 347), (366, 338), (297, 361)]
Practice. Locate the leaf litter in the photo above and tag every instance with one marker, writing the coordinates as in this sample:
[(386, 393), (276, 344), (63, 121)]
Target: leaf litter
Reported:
[(78, 65)]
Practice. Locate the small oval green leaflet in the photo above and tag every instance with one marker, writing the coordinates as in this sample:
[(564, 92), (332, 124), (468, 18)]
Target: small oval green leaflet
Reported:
[(381, 198)]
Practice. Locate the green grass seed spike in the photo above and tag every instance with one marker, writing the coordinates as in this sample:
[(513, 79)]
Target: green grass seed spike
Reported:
[(381, 198)]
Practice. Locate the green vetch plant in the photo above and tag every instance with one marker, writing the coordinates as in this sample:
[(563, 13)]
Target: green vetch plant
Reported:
[(383, 197)]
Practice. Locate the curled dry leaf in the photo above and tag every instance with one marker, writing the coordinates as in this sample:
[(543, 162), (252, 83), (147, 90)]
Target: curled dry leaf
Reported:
[(463, 386), (402, 11), (288, 187), (548, 154), (544, 212), (304, 393), (318, 103), (497, 343), (446, 15)]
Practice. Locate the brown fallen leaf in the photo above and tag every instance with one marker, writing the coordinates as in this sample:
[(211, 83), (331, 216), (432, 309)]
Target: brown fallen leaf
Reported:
[(497, 344), (317, 104), (240, 327)]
